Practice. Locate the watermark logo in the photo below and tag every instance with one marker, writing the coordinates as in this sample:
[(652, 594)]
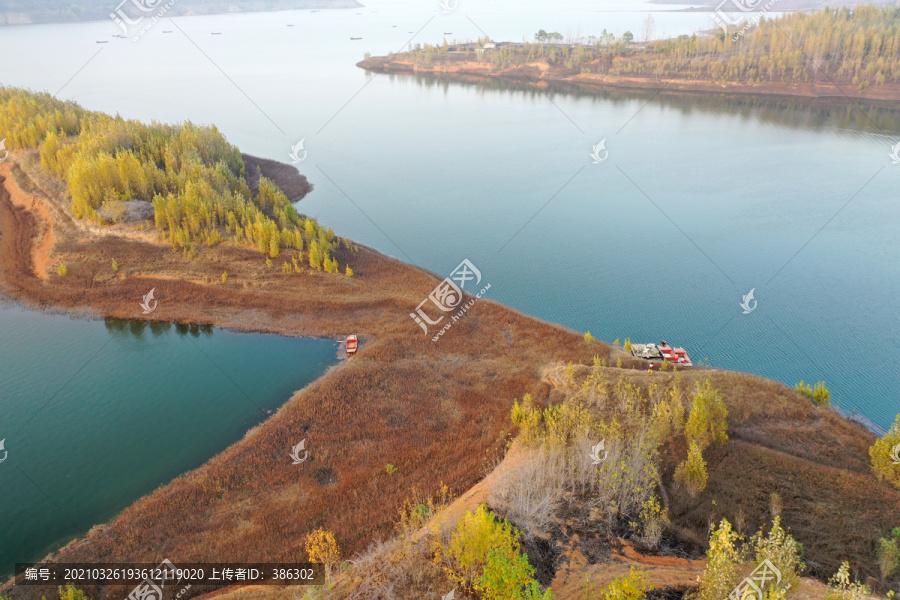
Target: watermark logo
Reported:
[(597, 150), (448, 296), (748, 12), (296, 149), (152, 587), (746, 304), (131, 14), (895, 454), (149, 304), (754, 585), (6, 152), (296, 450), (895, 153), (3, 449), (449, 5), (596, 450)]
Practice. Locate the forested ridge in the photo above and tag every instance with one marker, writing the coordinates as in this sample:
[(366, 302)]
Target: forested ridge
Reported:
[(858, 45), (194, 178)]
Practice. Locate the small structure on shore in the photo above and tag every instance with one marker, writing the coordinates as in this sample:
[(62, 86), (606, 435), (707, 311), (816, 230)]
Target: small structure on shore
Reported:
[(352, 345), (664, 351)]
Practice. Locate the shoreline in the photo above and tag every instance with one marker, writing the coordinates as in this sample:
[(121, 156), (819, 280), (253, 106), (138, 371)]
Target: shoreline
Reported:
[(474, 72), (435, 411)]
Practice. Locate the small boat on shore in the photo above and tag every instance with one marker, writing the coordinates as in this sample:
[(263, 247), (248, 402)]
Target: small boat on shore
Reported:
[(167, 31), (352, 345), (102, 41), (353, 38), (216, 33)]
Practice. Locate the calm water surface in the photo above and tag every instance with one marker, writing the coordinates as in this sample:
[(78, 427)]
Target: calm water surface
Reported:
[(97, 414), (700, 200)]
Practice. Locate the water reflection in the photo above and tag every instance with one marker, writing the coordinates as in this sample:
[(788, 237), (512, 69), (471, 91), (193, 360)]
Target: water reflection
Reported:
[(137, 327), (796, 112)]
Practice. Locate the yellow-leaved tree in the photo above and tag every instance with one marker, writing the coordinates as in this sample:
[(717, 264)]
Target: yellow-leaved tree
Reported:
[(321, 547)]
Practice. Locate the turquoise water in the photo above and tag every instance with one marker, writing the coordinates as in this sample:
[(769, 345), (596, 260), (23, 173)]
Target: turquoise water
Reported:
[(97, 414), (700, 200)]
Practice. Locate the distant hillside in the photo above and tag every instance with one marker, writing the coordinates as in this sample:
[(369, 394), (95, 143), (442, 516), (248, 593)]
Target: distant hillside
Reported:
[(22, 12)]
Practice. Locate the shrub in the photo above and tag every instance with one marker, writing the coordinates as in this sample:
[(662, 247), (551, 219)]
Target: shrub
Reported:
[(691, 474), (630, 587), (390, 469), (70, 592), (286, 267), (525, 416), (321, 547), (819, 394), (62, 269), (348, 272), (889, 554), (885, 455), (416, 510), (115, 265), (841, 587), (781, 550), (506, 578), (654, 521), (707, 422), (588, 337), (224, 277), (481, 551), (723, 564), (627, 346)]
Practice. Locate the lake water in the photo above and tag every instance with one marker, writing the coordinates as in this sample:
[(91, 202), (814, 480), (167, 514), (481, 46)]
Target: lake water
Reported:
[(95, 415), (700, 199)]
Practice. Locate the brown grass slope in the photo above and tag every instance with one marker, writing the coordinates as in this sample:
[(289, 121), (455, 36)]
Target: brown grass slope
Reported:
[(437, 411)]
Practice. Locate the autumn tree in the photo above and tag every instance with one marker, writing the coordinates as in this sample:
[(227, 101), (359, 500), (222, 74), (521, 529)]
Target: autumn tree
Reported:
[(321, 547)]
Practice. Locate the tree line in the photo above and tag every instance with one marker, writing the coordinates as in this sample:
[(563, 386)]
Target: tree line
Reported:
[(195, 180), (859, 45)]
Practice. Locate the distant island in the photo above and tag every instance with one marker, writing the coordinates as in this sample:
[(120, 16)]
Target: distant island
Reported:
[(24, 12), (832, 53)]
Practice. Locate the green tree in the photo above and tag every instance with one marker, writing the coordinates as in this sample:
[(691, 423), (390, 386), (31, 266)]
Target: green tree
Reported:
[(723, 564), (842, 587), (707, 422), (484, 555), (628, 37), (889, 554), (691, 473), (509, 578)]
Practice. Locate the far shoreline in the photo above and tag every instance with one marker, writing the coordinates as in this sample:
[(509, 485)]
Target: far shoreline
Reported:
[(833, 94)]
